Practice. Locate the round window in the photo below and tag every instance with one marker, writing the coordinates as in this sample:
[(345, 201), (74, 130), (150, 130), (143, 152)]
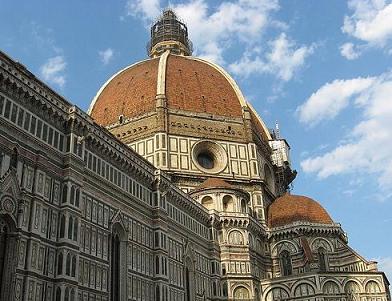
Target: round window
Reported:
[(206, 160), (209, 156)]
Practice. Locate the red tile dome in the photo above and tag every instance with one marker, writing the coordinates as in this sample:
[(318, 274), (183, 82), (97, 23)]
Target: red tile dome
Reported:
[(191, 85), (296, 208)]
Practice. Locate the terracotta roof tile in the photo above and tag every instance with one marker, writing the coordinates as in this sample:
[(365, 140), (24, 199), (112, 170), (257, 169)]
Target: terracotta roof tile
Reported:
[(294, 208), (130, 93), (198, 87), (191, 85), (214, 183)]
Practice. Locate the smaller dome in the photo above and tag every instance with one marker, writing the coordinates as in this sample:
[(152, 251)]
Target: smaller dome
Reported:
[(296, 208), (214, 183)]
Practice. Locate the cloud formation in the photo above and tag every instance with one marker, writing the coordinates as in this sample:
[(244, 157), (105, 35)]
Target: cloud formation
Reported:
[(349, 51), (239, 24), (328, 101), (52, 71), (147, 9), (106, 55), (369, 23), (283, 59), (368, 146)]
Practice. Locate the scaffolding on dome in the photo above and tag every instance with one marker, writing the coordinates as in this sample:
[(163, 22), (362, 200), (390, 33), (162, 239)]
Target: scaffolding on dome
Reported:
[(167, 28)]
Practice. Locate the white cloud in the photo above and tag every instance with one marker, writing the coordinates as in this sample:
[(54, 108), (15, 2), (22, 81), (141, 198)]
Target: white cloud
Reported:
[(349, 51), (283, 59), (53, 70), (330, 99), (148, 9), (239, 24), (370, 22), (213, 29), (106, 55), (367, 148)]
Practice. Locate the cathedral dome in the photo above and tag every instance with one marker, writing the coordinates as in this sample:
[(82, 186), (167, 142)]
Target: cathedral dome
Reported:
[(171, 83), (296, 208), (190, 84)]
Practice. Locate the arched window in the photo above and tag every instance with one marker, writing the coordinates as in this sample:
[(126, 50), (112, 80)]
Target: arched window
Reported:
[(257, 294), (236, 238), (58, 294), (73, 270), (14, 158), (330, 288), (66, 294), (322, 259), (157, 293), (207, 202), (115, 268), (70, 225), (277, 293), (68, 265), (187, 285), (75, 229), (228, 203), (213, 288), (72, 198), (72, 296), (77, 197), (241, 293), (60, 264), (62, 226), (304, 290), (243, 206), (3, 251), (224, 289), (372, 287), (65, 192), (285, 262)]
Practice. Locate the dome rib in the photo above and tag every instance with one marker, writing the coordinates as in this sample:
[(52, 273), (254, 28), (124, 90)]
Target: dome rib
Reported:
[(289, 209)]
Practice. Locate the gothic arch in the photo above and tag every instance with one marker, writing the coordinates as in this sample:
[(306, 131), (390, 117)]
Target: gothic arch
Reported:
[(332, 287), (352, 286), (277, 292), (189, 278), (236, 237), (8, 244), (287, 245), (208, 202), (321, 242), (241, 292), (118, 260), (228, 203), (372, 287), (303, 288)]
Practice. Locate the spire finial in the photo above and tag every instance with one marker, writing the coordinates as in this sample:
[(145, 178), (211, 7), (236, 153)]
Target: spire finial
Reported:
[(169, 33)]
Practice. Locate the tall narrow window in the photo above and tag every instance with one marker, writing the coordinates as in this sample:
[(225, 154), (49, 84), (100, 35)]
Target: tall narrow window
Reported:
[(62, 226), (322, 259), (75, 230), (70, 226), (68, 265), (188, 291), (14, 158), (60, 264), (73, 269), (285, 259), (58, 294), (115, 268), (3, 251)]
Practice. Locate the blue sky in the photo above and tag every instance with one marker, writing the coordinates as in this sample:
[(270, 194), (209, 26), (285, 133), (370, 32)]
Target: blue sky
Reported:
[(322, 69)]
